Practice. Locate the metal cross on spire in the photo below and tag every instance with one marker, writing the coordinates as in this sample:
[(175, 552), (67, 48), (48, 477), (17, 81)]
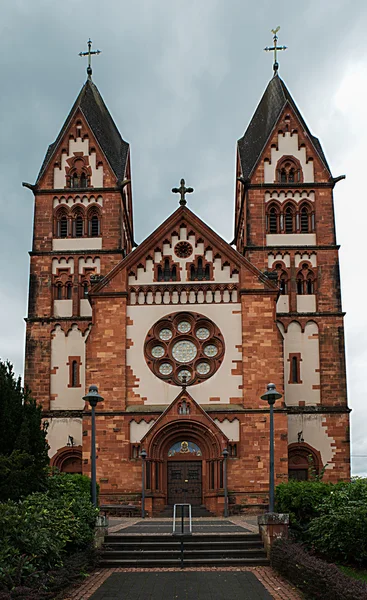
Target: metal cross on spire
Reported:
[(275, 49), (182, 190), (89, 54)]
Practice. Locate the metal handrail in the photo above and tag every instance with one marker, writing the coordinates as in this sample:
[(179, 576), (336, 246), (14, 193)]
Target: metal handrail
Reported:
[(174, 532)]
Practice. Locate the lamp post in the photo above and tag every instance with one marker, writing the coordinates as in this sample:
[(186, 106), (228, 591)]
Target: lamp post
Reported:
[(143, 455), (93, 397), (225, 454), (271, 396)]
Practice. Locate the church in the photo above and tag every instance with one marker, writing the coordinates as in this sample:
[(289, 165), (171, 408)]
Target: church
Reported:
[(183, 332)]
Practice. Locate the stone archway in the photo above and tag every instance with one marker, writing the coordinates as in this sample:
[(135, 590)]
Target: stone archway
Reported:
[(200, 477), (68, 459), (302, 460)]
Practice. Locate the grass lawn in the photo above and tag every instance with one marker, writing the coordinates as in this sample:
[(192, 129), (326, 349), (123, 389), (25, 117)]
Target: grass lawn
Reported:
[(355, 573)]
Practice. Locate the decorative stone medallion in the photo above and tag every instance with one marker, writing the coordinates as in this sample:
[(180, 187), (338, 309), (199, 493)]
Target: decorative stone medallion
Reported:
[(183, 249), (184, 348)]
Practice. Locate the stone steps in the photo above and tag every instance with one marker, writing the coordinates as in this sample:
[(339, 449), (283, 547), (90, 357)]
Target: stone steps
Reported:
[(198, 550)]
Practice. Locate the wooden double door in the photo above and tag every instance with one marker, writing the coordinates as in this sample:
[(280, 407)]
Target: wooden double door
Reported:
[(184, 482)]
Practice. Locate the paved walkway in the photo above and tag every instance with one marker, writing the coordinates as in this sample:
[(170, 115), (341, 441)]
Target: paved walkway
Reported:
[(111, 584), (204, 583)]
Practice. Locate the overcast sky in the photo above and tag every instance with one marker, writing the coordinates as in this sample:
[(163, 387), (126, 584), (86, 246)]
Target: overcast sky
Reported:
[(182, 80)]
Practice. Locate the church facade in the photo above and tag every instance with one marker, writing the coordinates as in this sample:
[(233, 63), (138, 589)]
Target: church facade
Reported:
[(183, 332)]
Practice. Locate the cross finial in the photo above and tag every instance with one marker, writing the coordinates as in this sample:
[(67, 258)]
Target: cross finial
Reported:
[(89, 54), (275, 49), (182, 190)]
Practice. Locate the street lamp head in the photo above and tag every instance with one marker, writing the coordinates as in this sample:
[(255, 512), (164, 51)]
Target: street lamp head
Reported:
[(93, 396), (143, 454), (225, 453), (271, 395)]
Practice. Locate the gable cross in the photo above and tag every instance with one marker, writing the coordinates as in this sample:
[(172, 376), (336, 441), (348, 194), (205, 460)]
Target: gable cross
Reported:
[(182, 190), (275, 49), (89, 54)]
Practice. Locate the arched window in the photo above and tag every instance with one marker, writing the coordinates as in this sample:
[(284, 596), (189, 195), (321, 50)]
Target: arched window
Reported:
[(273, 220), (94, 226), (62, 226), (79, 226), (199, 270), (69, 291), (166, 271), (300, 285), (289, 171), (74, 180), (74, 374), (305, 220), (295, 369), (83, 180), (289, 220), (58, 294)]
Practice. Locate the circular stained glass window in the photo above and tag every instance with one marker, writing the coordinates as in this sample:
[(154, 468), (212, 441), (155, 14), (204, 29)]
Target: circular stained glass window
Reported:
[(202, 333), (184, 351), (203, 368), (184, 327), (165, 369), (210, 350), (165, 334), (184, 348), (158, 351), (184, 374)]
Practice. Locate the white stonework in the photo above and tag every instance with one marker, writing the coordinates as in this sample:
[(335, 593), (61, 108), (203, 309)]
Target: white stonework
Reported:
[(221, 273), (283, 304), (284, 258), (310, 257), (288, 145), (306, 303), (85, 308), (78, 145), (307, 344), (63, 263), (70, 244), (89, 263), (230, 428), (222, 385), (59, 430), (296, 196), (314, 433), (291, 239), (63, 346), (63, 308), (71, 201), (138, 430)]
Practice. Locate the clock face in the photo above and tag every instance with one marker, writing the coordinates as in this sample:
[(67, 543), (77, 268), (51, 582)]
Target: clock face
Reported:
[(184, 348)]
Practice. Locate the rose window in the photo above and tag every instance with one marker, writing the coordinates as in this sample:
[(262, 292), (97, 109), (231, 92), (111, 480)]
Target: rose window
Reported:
[(184, 348)]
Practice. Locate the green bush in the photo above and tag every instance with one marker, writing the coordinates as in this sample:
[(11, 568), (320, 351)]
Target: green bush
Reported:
[(301, 500), (39, 531), (340, 532)]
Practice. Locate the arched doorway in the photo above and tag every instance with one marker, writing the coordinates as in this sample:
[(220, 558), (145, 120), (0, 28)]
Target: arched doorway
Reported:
[(184, 473), (68, 459), (303, 461)]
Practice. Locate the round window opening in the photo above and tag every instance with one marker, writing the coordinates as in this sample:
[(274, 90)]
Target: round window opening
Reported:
[(184, 348)]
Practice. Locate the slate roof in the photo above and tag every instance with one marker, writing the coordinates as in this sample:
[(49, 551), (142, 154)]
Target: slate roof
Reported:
[(269, 109), (103, 127)]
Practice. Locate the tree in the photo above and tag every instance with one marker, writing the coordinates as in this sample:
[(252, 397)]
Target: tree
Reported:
[(23, 446)]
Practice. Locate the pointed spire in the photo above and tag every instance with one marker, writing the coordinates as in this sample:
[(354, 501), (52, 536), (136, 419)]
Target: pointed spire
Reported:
[(103, 127), (268, 111)]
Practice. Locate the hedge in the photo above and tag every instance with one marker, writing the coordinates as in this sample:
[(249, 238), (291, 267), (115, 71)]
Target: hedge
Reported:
[(317, 579)]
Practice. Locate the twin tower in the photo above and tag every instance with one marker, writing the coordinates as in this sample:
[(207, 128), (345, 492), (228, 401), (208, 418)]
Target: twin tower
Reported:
[(183, 333)]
